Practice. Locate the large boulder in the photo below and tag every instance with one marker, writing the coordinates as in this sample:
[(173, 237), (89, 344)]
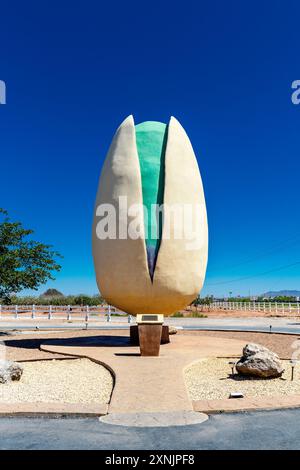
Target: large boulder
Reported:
[(259, 361), (172, 330), (10, 370)]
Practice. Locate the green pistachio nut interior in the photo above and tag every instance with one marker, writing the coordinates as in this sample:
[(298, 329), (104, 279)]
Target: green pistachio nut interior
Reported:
[(151, 139)]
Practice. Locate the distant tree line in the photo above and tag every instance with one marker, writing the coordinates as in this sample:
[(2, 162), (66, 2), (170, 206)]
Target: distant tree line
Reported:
[(80, 299), (207, 301), (279, 298)]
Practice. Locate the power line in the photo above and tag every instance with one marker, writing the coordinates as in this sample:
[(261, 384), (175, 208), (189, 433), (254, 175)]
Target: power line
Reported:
[(256, 275), (278, 247)]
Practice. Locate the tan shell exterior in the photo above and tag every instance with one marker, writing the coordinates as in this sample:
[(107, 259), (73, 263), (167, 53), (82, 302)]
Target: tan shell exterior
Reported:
[(121, 264)]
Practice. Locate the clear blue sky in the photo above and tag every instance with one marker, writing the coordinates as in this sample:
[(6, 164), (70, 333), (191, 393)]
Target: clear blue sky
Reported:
[(75, 70)]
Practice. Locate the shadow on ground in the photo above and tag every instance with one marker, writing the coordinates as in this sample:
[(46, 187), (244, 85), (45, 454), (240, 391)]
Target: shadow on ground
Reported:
[(82, 341)]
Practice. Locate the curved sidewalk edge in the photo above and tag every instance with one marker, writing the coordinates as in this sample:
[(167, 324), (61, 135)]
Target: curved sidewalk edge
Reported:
[(231, 405), (53, 409)]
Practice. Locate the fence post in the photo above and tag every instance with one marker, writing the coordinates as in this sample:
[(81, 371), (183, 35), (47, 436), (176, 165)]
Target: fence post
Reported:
[(50, 312), (290, 307), (87, 313), (69, 313), (276, 307), (16, 312), (33, 311), (108, 315), (282, 307)]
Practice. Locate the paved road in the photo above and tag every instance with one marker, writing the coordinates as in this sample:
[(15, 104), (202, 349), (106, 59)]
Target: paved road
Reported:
[(283, 325), (255, 430)]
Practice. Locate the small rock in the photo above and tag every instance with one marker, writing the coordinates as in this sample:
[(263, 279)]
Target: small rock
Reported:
[(172, 330), (259, 361), (10, 370)]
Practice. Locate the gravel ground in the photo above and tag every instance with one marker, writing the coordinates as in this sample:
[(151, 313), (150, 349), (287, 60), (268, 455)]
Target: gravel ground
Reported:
[(63, 381), (211, 379)]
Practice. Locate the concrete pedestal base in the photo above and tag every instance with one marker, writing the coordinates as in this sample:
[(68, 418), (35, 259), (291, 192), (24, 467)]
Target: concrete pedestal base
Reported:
[(149, 339), (134, 335)]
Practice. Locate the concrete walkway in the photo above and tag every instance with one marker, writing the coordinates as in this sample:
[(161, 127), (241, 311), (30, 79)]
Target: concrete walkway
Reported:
[(152, 420), (147, 384)]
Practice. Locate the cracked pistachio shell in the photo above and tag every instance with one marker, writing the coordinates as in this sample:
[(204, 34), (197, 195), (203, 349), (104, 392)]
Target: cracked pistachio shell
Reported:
[(121, 265)]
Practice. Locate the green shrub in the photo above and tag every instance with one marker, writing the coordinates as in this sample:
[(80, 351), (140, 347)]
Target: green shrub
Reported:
[(177, 314)]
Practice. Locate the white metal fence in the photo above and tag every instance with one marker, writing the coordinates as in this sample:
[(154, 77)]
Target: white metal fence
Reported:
[(61, 312), (280, 308), (106, 312)]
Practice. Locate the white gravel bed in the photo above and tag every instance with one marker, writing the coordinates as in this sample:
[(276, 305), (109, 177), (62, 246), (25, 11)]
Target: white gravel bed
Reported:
[(63, 381), (211, 379)]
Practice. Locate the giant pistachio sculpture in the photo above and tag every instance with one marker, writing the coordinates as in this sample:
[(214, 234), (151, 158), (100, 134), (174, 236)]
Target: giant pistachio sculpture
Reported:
[(163, 269)]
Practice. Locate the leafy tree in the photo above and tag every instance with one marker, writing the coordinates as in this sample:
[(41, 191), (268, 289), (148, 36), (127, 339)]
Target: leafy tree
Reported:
[(206, 301), (82, 299), (24, 263)]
